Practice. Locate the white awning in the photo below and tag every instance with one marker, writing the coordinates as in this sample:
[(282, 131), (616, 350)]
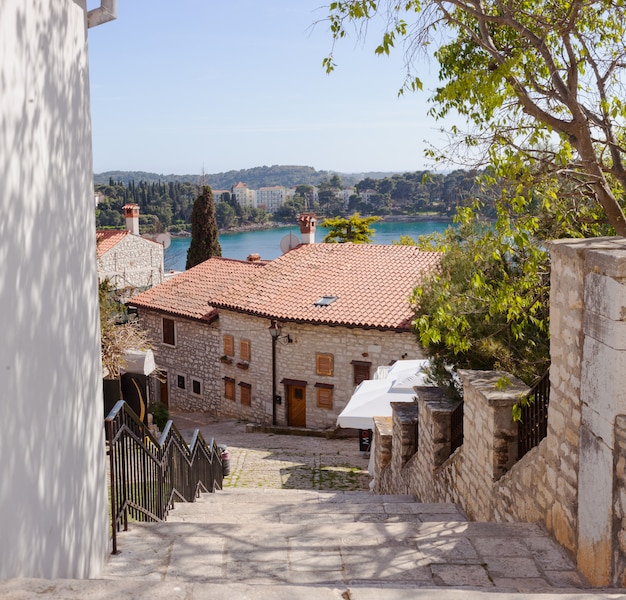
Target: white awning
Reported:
[(373, 397), (138, 361)]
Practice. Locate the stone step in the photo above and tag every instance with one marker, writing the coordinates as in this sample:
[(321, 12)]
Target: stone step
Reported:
[(27, 589), (295, 506), (339, 541)]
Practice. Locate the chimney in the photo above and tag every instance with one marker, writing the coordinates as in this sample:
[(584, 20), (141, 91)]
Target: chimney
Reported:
[(131, 213), (307, 223), (253, 257)]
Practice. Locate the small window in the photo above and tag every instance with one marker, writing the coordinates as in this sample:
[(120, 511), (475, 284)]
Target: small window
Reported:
[(196, 387), (245, 393), (169, 332), (324, 364), (325, 301), (229, 345), (229, 388), (181, 382), (244, 350), (324, 395), (361, 370)]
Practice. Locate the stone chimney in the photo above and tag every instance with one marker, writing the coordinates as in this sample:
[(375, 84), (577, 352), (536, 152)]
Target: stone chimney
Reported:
[(307, 222), (131, 214)]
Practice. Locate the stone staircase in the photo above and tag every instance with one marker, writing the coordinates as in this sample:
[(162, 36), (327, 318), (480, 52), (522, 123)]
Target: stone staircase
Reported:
[(295, 544)]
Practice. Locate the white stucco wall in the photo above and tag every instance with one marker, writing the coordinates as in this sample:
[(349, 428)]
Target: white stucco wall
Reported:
[(53, 514)]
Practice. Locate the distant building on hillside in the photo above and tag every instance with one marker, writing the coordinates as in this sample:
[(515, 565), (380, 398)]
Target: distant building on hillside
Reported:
[(244, 195)]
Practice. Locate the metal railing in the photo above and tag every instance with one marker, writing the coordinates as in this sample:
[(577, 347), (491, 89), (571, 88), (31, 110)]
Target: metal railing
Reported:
[(148, 475), (533, 423)]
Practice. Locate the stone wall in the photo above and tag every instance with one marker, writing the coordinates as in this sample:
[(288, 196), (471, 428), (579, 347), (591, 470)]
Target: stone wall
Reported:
[(194, 356), (574, 480), (296, 360), (199, 347), (134, 262)]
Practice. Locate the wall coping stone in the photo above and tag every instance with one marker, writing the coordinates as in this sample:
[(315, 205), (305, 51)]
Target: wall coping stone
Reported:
[(485, 382), (384, 425), (406, 411), (436, 399)]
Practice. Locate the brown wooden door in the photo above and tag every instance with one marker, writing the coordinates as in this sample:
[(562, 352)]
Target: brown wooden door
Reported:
[(296, 406), (164, 390)]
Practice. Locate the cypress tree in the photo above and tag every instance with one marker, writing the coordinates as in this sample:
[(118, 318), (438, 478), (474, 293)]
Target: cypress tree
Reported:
[(204, 233)]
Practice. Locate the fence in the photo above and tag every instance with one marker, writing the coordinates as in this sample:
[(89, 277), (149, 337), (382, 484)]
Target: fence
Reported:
[(148, 475)]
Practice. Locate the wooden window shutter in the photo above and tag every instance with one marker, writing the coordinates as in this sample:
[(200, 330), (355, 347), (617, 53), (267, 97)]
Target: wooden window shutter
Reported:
[(229, 388), (244, 350), (229, 345), (245, 394), (361, 371), (324, 395), (169, 332), (324, 364)]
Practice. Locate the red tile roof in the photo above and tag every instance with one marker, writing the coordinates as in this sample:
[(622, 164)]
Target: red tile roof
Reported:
[(372, 284), (107, 238), (189, 293)]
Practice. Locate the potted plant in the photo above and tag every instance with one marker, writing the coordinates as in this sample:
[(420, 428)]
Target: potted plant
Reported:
[(243, 364), (226, 359)]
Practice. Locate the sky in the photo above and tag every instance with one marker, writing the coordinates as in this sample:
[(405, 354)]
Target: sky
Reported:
[(181, 86)]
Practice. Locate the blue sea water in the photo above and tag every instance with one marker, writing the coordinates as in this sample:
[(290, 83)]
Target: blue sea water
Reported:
[(266, 242)]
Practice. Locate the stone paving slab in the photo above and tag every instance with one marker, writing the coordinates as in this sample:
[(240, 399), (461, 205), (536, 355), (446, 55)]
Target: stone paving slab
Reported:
[(296, 521)]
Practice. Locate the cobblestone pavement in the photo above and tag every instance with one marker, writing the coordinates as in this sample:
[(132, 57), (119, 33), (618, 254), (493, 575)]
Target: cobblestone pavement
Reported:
[(273, 461)]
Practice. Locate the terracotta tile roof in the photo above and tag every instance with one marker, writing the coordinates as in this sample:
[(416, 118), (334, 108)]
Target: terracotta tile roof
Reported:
[(189, 293), (107, 238), (371, 283)]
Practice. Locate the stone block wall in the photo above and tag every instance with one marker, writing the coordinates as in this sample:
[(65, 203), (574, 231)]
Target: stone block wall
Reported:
[(194, 356), (296, 360), (574, 481), (134, 262), (200, 345)]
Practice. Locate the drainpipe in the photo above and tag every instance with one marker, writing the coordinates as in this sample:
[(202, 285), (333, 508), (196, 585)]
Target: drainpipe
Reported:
[(107, 11)]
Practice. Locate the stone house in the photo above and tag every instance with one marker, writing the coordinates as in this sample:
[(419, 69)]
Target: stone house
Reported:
[(284, 341), (130, 262)]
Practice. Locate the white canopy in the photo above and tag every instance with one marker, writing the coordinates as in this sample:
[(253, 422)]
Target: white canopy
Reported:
[(373, 397)]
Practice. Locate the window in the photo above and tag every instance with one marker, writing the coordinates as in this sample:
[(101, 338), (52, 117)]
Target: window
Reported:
[(361, 370), (196, 387), (244, 350), (229, 388), (169, 332), (229, 345), (324, 364), (324, 395), (245, 393), (325, 301), (180, 382)]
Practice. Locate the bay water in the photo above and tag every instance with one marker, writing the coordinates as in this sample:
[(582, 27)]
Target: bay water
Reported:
[(266, 242)]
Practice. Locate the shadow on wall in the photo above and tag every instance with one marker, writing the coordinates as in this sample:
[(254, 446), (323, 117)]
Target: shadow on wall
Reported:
[(52, 489)]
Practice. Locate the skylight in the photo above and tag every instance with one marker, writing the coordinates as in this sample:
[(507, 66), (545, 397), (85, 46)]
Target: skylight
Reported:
[(325, 301)]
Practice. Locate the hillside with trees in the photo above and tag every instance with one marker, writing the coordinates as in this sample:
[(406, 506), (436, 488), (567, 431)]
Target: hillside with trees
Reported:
[(167, 205)]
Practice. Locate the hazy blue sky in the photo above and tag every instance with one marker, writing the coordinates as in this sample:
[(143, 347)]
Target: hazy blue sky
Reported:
[(178, 85)]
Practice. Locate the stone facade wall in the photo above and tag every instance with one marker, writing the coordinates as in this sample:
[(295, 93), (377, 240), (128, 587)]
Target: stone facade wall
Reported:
[(134, 262), (194, 356), (574, 481), (296, 360), (199, 347)]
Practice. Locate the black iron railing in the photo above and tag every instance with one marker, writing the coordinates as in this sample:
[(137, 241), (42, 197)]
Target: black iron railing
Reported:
[(456, 428), (148, 475), (533, 423)]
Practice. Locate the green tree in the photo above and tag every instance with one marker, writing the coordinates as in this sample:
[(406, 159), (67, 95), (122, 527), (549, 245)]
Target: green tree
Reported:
[(540, 79), (355, 229), (204, 232)]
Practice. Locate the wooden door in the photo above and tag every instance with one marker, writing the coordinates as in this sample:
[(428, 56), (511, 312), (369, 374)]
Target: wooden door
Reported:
[(296, 406), (164, 390)]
